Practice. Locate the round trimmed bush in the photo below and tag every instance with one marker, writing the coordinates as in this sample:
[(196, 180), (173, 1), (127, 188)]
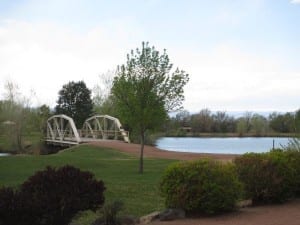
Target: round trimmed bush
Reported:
[(268, 177), (202, 186), (293, 157)]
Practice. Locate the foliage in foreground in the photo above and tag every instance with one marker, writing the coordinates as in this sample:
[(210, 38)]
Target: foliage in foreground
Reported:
[(51, 197), (268, 177), (203, 186), (293, 144), (140, 194), (109, 213), (293, 158)]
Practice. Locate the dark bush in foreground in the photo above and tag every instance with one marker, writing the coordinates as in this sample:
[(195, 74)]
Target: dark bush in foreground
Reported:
[(52, 197), (9, 207), (110, 214), (268, 177), (293, 159), (203, 186)]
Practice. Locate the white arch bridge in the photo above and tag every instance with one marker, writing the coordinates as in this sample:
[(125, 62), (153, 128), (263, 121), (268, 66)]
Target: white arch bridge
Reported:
[(61, 130)]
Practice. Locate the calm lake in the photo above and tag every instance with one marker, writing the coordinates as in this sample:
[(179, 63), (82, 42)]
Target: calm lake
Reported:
[(220, 145)]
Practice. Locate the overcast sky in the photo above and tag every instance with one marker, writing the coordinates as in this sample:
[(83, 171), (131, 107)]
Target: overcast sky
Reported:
[(242, 55)]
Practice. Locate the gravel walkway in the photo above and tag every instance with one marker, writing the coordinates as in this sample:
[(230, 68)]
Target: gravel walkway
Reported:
[(153, 152)]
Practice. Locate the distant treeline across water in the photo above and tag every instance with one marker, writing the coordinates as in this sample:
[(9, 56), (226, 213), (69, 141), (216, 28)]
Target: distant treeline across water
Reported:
[(249, 124)]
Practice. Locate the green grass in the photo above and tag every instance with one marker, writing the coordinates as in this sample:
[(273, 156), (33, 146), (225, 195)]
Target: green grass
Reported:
[(119, 171), (4, 143)]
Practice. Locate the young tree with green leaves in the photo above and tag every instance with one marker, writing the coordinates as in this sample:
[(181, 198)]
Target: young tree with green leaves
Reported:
[(146, 89), (43, 113), (102, 98), (75, 101), (259, 125)]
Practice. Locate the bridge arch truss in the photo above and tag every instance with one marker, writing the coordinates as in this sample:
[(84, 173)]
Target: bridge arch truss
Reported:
[(62, 129), (104, 127)]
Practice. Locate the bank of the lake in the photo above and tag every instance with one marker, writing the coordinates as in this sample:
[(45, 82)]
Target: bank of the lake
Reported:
[(193, 134), (220, 145)]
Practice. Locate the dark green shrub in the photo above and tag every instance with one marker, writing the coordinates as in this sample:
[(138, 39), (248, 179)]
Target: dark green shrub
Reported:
[(292, 151), (46, 149), (109, 213), (293, 157), (203, 186), (293, 144), (53, 197), (8, 207), (268, 177)]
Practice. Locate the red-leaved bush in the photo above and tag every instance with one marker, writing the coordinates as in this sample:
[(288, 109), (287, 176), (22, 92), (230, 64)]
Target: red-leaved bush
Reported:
[(51, 197)]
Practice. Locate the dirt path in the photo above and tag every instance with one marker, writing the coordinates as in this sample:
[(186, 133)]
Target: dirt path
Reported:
[(285, 214), (153, 152)]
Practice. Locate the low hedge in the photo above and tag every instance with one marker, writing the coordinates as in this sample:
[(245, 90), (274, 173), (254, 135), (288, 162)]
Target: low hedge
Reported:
[(203, 186)]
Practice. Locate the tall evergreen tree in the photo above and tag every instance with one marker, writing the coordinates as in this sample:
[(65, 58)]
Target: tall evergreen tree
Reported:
[(75, 101)]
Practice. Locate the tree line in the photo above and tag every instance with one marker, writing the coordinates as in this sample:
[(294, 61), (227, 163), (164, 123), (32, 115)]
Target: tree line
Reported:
[(18, 119), (254, 124), (22, 125)]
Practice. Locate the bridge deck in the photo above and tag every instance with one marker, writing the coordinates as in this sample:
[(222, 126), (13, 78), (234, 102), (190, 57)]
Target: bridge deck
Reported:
[(72, 141)]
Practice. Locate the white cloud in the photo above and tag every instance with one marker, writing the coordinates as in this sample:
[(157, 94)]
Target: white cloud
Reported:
[(295, 1), (229, 79), (44, 56)]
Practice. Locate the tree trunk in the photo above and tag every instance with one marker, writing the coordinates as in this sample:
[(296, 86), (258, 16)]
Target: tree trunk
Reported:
[(141, 169), (19, 138)]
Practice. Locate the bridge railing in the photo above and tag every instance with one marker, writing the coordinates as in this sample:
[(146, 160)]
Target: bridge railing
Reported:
[(104, 126), (105, 134)]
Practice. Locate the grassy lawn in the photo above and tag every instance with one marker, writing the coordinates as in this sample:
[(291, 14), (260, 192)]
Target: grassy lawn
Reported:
[(32, 139), (118, 171)]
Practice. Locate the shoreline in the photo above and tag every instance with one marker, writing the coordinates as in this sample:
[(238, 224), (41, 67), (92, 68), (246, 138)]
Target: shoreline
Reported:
[(224, 135)]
